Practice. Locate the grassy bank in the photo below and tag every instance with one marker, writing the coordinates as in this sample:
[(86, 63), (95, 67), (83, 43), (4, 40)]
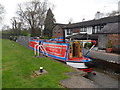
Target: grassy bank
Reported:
[(0, 63), (18, 65)]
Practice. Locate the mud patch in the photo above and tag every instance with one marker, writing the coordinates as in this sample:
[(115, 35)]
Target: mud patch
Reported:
[(37, 73)]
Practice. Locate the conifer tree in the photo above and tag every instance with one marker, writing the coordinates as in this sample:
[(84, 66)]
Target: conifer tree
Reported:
[(49, 23)]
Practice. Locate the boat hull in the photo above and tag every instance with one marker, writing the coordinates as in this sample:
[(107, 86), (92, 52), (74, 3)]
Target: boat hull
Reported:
[(54, 50), (61, 51), (79, 65)]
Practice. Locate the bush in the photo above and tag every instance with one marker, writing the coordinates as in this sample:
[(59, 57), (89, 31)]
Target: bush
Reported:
[(44, 38), (24, 33), (109, 45), (88, 45)]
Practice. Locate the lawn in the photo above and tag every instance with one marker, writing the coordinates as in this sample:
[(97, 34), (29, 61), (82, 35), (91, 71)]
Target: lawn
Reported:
[(0, 63), (18, 65)]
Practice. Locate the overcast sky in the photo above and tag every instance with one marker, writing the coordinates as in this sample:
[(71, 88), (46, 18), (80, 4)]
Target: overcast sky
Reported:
[(66, 9)]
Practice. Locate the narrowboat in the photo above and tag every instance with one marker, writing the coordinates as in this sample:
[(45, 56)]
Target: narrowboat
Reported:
[(70, 52)]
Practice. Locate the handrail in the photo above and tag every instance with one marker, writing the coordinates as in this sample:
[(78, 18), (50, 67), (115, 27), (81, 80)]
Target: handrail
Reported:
[(87, 41), (35, 50), (94, 43), (42, 48)]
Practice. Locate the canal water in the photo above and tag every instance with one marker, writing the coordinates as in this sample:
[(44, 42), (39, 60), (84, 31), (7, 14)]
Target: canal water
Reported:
[(104, 79), (107, 66), (107, 74)]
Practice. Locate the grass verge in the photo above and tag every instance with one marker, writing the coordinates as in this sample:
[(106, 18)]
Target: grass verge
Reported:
[(0, 64), (18, 65)]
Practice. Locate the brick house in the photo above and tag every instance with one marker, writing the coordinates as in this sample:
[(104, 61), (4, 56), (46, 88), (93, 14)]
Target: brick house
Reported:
[(91, 27), (110, 32), (58, 30), (91, 30)]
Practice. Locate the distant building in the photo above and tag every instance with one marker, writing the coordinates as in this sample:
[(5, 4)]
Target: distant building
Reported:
[(99, 15)]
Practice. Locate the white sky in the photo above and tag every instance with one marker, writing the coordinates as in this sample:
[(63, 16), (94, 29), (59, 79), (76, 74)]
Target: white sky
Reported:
[(66, 9)]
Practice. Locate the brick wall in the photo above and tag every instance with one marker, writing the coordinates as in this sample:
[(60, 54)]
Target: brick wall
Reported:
[(57, 31), (104, 38), (115, 39), (76, 30)]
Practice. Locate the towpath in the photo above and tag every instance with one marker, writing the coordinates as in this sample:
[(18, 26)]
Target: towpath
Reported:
[(110, 57)]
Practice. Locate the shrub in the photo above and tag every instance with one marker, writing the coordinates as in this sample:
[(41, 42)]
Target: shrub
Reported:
[(88, 45), (44, 38), (24, 33), (109, 44)]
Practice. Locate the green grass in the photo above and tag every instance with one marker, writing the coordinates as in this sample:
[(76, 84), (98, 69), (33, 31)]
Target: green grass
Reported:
[(0, 63), (18, 65)]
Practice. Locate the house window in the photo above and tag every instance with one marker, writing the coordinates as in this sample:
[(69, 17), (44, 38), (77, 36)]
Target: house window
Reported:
[(97, 29), (84, 29), (54, 31), (69, 31), (93, 29), (58, 30)]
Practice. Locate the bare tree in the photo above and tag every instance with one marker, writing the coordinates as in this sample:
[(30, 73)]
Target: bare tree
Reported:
[(5, 31), (16, 25), (70, 20), (33, 14), (112, 13), (2, 11), (5, 28)]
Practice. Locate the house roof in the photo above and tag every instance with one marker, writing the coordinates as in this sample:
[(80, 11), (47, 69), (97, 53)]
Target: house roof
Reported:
[(111, 24), (103, 21), (61, 25), (111, 28), (84, 36)]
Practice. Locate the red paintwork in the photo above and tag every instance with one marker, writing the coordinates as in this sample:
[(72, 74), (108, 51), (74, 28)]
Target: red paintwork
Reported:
[(54, 49), (93, 42), (32, 44), (87, 70), (78, 59)]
